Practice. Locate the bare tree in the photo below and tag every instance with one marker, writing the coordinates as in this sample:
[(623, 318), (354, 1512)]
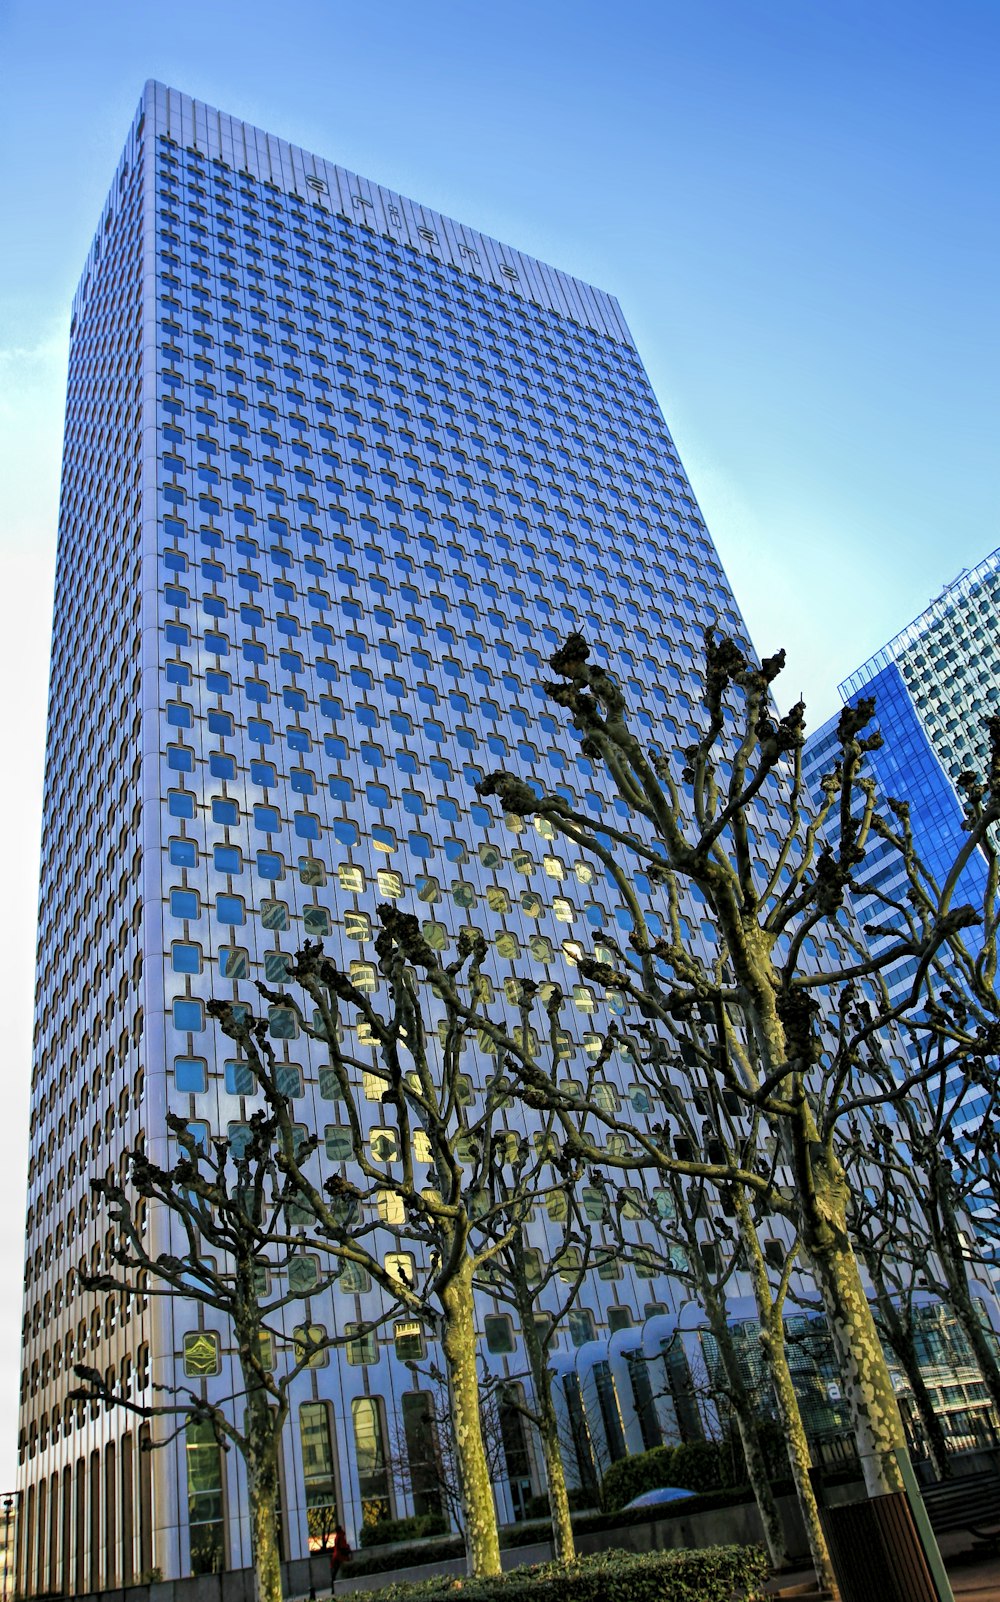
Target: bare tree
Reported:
[(240, 1258), (794, 1039), (542, 1294), (433, 1471), (426, 1169)]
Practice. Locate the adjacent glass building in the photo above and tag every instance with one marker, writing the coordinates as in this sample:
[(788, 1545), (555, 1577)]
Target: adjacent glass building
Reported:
[(935, 685), (339, 474)]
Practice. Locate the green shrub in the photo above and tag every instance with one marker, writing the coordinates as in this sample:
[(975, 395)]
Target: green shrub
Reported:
[(386, 1531), (705, 1466), (716, 1574), (631, 1476), (696, 1466)]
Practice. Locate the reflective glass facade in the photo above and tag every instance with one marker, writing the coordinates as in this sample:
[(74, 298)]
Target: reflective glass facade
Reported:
[(339, 476), (934, 685)]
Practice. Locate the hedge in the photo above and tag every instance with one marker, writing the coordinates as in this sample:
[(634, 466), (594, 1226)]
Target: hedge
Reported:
[(416, 1528), (376, 1560), (715, 1574)]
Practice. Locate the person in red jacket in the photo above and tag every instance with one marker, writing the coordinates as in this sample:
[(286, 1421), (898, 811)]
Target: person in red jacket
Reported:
[(340, 1552)]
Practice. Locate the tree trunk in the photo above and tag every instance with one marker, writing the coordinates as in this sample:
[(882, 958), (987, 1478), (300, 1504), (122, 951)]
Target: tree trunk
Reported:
[(746, 1423), (563, 1544), (458, 1344), (864, 1373), (262, 1488), (774, 1354)]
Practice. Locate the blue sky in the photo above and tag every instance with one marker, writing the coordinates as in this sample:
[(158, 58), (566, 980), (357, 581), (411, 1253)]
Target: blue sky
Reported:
[(794, 201)]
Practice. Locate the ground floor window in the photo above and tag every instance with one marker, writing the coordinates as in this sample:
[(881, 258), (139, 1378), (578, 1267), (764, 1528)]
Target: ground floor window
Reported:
[(206, 1518)]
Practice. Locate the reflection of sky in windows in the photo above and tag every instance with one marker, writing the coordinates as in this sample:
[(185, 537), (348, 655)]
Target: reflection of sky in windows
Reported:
[(387, 492), (905, 768)]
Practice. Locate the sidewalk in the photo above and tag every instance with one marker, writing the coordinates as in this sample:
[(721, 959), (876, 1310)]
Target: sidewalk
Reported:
[(974, 1575)]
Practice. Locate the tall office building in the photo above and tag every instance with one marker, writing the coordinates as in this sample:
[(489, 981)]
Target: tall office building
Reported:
[(339, 474), (935, 684)]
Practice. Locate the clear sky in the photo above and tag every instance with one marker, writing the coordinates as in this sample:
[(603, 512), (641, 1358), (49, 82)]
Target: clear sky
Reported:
[(794, 200)]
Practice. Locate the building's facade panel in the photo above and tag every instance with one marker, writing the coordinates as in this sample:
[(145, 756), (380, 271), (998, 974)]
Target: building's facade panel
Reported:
[(340, 474)]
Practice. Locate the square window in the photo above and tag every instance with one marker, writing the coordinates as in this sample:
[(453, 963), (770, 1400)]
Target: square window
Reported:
[(499, 1331), (191, 1075), (185, 957), (270, 865), (240, 1079), (184, 904), (283, 1025), (274, 914), (201, 1354), (230, 909), (188, 1014), (234, 962)]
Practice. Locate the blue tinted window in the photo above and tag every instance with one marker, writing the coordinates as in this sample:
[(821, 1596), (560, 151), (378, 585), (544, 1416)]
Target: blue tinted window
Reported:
[(191, 1075), (239, 1079), (184, 904), (228, 859), (184, 957), (188, 1014), (229, 909)]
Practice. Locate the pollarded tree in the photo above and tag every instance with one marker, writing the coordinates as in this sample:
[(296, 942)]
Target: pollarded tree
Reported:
[(238, 1257), (953, 1039), (702, 1233), (795, 1035), (423, 1455), (542, 1293), (886, 1218), (427, 1171)]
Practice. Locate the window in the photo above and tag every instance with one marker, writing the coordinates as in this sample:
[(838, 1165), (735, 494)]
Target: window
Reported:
[(205, 1499), (368, 1418), (310, 1349), (423, 1453), (230, 909), (191, 1075), (580, 1321), (408, 1340), (399, 1266), (185, 957), (361, 1348), (188, 1015), (201, 1354), (499, 1331), (318, 1473), (240, 1080), (184, 904)]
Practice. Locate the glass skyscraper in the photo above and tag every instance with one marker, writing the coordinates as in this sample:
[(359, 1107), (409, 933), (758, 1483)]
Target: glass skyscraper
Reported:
[(339, 474), (935, 684)]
